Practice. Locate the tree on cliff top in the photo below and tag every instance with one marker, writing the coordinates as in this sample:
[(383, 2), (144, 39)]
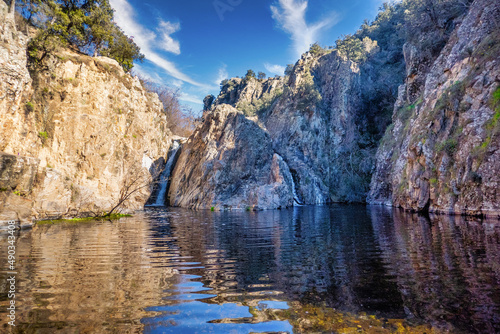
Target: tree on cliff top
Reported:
[(84, 24), (122, 49), (250, 75)]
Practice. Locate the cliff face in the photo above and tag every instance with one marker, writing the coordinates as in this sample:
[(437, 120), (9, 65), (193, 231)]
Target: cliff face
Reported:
[(15, 81), (442, 152), (92, 127), (310, 120), (299, 142), (314, 127), (229, 162)]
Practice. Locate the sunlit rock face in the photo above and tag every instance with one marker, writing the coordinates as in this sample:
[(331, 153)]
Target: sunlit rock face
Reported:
[(314, 127), (229, 162), (19, 173), (307, 120), (15, 81), (442, 153), (91, 126)]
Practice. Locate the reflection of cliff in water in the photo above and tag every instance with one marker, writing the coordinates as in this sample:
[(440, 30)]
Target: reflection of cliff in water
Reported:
[(353, 258), (313, 254), (447, 270), (126, 276), (94, 277)]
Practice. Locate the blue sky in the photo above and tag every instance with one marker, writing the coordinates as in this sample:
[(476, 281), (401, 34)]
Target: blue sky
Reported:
[(195, 44)]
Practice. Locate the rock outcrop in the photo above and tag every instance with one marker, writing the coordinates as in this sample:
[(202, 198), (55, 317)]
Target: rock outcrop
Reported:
[(17, 179), (310, 119), (314, 127), (15, 80), (92, 127), (442, 152), (229, 163)]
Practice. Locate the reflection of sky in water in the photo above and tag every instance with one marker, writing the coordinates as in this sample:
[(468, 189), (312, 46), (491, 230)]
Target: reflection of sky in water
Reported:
[(198, 317), (189, 312), (182, 271)]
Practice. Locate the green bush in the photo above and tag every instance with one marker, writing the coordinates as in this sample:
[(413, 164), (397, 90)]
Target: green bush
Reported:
[(250, 75), (449, 146), (29, 106), (43, 135), (317, 50), (86, 25), (308, 95), (258, 107)]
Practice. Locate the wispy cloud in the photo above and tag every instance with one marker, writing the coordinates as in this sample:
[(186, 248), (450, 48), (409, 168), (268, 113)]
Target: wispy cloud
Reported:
[(145, 74), (275, 69), (165, 29), (146, 40), (190, 98), (291, 17), (221, 75), (177, 83)]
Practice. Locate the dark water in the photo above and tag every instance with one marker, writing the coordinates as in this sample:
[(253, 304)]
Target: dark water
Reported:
[(339, 269)]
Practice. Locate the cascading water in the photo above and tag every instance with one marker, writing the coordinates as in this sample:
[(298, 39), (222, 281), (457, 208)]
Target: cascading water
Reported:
[(288, 175), (294, 191), (165, 175)]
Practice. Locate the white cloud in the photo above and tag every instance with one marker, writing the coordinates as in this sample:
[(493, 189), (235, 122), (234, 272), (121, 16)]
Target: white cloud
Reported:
[(146, 40), (291, 16), (275, 69), (190, 98), (177, 83), (221, 75), (145, 74), (165, 29)]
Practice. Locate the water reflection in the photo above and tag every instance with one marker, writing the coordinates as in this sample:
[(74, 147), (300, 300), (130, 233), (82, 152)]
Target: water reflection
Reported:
[(300, 270)]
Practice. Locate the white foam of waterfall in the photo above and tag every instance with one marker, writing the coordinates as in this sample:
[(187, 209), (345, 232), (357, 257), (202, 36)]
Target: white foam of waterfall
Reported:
[(288, 175), (296, 200), (165, 175)]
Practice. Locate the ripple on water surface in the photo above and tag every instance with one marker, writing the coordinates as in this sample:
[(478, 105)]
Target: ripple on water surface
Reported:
[(307, 269)]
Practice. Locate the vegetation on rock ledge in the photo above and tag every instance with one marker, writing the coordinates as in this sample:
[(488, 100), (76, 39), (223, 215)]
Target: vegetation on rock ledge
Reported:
[(86, 25)]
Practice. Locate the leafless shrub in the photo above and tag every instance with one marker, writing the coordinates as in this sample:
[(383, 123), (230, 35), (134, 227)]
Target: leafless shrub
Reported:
[(181, 120)]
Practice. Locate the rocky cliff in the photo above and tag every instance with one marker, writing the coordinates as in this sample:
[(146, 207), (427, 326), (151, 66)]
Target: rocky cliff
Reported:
[(442, 152), (309, 121), (85, 127), (314, 126), (327, 116), (229, 162)]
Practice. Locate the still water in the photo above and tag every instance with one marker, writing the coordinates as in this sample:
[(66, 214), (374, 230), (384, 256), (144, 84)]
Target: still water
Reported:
[(323, 269)]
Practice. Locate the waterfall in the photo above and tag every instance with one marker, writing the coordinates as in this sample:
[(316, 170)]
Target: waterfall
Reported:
[(296, 200), (165, 175), (288, 175)]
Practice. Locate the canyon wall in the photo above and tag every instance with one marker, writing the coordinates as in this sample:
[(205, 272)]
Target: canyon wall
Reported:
[(308, 123), (229, 163), (82, 127), (442, 152)]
